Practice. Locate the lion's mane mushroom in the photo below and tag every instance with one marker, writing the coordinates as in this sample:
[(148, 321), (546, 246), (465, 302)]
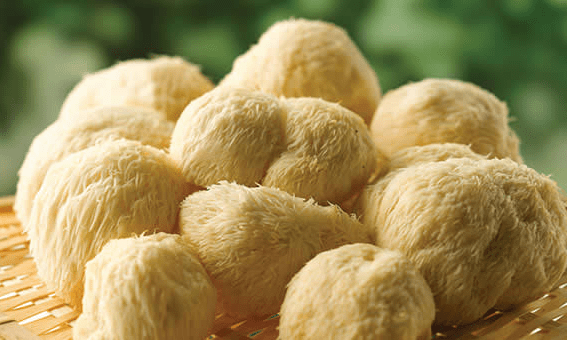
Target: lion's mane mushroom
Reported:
[(357, 292), (111, 190), (132, 291), (443, 110), (305, 146), (63, 138), (229, 134), (165, 84), (483, 233), (253, 240), (329, 156), (304, 58)]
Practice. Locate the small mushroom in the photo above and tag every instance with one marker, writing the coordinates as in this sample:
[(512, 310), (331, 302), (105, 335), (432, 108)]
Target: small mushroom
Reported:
[(63, 138), (357, 292), (165, 84), (483, 233), (308, 58), (305, 146), (114, 189), (146, 288), (253, 240), (443, 110)]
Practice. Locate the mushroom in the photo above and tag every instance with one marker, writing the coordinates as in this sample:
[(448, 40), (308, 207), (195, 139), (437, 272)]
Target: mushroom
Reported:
[(357, 292), (63, 138), (114, 189), (253, 240), (308, 58), (483, 233), (306, 146), (165, 84), (443, 110), (132, 291), (229, 134)]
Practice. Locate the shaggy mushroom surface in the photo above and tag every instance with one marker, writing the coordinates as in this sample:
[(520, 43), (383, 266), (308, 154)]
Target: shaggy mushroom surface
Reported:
[(357, 292), (308, 58), (111, 190), (166, 84), (146, 288), (253, 240), (483, 233)]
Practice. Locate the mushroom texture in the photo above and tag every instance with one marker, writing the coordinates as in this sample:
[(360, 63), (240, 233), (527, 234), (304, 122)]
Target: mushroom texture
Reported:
[(435, 152), (330, 155), (111, 190), (228, 134), (165, 84), (404, 158), (132, 291), (253, 240), (304, 58), (483, 233), (443, 110), (306, 146), (357, 292), (63, 138)]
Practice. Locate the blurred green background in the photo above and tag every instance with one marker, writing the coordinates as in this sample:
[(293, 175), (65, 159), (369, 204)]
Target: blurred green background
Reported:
[(516, 49)]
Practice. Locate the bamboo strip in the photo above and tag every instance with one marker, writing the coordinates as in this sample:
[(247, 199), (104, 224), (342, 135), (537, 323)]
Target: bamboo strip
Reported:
[(18, 300), (34, 309), (25, 284), (25, 267), (13, 241), (13, 331), (42, 328), (64, 333), (13, 257), (8, 230), (8, 219), (539, 321)]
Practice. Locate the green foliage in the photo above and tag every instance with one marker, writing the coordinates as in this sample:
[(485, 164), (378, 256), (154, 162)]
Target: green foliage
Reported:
[(516, 49)]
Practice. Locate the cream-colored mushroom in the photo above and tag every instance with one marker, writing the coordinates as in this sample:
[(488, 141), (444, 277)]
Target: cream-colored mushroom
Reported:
[(229, 134), (443, 110), (253, 240), (146, 288), (357, 292), (305, 146), (483, 233), (111, 190), (63, 138), (308, 58), (165, 84)]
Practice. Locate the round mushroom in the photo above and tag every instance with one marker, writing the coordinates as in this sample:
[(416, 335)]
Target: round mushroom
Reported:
[(165, 84), (483, 233), (305, 146), (253, 240), (132, 291), (357, 292), (330, 155), (111, 190), (444, 110), (228, 134), (63, 138), (308, 58)]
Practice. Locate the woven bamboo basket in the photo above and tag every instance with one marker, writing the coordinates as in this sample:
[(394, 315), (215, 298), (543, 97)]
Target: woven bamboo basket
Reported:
[(29, 310)]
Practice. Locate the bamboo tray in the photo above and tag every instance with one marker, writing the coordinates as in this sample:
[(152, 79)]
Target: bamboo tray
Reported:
[(29, 310)]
